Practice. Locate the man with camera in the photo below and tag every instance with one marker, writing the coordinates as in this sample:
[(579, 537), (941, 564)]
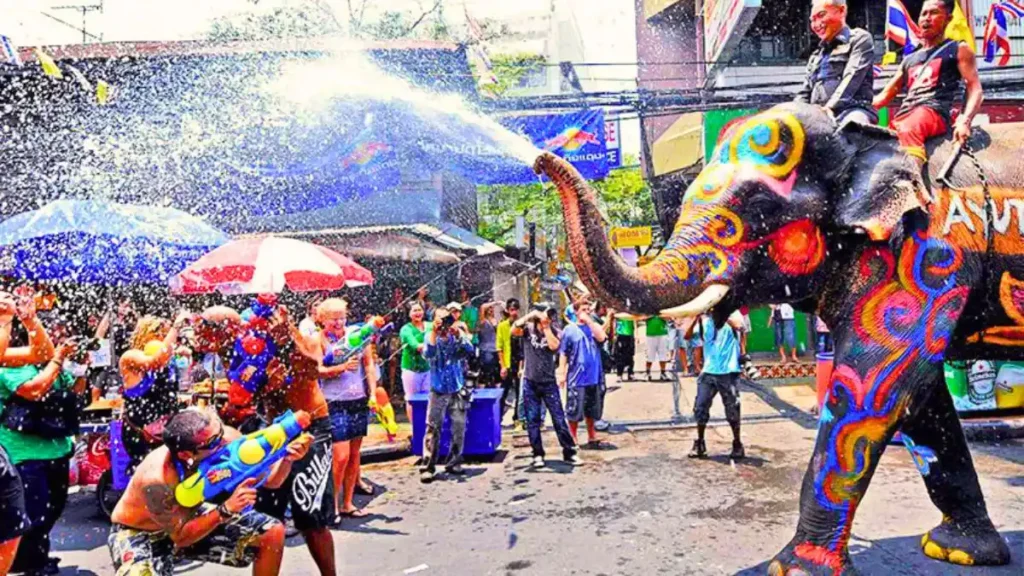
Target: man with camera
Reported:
[(540, 347), (580, 370), (448, 345)]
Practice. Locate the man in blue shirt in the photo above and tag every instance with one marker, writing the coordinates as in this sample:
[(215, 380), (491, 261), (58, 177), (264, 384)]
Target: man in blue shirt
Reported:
[(720, 375), (581, 371), (447, 346)]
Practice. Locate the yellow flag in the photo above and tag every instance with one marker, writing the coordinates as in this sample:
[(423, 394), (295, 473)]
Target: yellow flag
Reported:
[(102, 92), (49, 66), (888, 58), (958, 30)]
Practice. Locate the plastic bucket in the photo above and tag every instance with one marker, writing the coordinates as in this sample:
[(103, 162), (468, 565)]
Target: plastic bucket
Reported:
[(956, 380), (823, 374), (1010, 385)]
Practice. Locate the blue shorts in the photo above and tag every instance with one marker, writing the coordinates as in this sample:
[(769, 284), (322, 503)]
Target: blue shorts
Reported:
[(349, 419), (785, 333)]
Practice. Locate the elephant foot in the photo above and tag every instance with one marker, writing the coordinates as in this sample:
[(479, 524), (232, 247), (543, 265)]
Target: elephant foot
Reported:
[(806, 559), (974, 543)]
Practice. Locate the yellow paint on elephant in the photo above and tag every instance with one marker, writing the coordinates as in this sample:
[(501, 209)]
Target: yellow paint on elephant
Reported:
[(951, 555), (773, 121)]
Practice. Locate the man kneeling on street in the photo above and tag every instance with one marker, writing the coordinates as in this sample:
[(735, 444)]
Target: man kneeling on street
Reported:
[(151, 530), (448, 345), (721, 375)]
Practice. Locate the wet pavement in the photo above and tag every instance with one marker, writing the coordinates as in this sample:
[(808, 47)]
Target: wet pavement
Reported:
[(637, 506)]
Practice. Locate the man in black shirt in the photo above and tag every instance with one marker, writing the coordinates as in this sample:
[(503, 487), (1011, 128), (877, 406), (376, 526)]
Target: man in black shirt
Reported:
[(540, 387), (839, 76), (934, 76)]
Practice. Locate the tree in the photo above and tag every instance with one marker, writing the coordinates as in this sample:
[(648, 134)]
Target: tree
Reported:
[(309, 18), (509, 70), (623, 196)]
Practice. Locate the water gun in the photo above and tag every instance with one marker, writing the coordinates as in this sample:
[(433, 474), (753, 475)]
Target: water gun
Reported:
[(250, 456), (381, 406), (253, 352), (358, 340)]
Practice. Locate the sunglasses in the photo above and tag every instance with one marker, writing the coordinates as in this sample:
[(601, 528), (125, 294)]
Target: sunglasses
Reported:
[(213, 442)]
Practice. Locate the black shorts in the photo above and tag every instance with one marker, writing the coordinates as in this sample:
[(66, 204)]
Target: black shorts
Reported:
[(12, 501), (349, 419), (309, 488), (584, 402), (710, 384)]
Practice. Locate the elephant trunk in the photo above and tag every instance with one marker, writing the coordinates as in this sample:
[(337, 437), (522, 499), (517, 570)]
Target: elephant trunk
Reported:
[(666, 282)]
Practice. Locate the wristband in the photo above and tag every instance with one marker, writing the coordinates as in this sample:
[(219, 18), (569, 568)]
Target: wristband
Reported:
[(224, 512)]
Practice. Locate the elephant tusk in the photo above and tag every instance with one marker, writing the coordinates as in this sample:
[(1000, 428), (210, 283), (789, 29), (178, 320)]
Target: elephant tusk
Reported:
[(709, 297)]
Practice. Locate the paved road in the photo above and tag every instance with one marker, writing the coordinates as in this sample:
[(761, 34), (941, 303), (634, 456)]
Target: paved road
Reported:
[(639, 507)]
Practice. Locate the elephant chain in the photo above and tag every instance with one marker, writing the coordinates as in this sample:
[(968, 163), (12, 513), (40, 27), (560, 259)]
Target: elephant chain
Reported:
[(986, 270)]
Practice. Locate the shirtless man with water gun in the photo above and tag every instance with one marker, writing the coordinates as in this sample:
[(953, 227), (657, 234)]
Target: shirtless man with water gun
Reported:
[(152, 529)]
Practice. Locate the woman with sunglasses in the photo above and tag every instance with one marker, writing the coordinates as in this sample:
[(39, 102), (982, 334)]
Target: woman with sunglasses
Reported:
[(150, 387)]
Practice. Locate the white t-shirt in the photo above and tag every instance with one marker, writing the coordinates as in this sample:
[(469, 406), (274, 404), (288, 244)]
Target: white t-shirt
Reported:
[(785, 311), (308, 327)]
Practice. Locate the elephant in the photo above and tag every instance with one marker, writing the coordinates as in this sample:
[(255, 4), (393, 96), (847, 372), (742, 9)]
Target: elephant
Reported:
[(907, 268)]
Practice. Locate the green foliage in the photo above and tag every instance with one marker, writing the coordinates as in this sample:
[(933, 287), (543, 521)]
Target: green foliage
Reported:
[(510, 69), (298, 21), (623, 196)]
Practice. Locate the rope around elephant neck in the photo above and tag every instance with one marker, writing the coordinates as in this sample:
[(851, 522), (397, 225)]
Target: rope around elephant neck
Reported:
[(986, 271)]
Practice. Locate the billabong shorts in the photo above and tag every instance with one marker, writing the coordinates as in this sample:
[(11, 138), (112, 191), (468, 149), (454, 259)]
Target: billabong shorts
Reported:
[(309, 488)]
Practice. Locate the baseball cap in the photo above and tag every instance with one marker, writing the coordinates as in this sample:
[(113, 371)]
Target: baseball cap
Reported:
[(454, 306)]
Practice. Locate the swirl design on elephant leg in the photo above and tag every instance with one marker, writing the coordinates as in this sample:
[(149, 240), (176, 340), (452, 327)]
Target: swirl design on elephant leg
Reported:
[(903, 318)]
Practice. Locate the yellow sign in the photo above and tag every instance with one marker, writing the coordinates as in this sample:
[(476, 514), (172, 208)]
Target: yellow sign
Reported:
[(631, 237)]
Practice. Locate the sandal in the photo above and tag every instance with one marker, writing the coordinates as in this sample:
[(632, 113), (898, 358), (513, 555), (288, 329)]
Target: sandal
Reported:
[(364, 488)]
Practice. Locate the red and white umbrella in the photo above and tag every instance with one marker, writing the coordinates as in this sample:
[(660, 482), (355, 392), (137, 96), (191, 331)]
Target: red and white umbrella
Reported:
[(268, 265)]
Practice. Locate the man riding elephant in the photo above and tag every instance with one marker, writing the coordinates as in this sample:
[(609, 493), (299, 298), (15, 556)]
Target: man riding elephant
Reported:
[(839, 74), (934, 76), (779, 214)]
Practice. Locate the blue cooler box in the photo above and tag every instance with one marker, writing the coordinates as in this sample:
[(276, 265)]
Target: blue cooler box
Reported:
[(483, 424)]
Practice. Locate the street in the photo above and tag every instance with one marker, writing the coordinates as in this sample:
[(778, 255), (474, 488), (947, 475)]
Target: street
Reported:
[(637, 506)]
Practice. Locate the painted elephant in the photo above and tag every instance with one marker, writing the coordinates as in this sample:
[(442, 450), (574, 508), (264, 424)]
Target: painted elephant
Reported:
[(794, 209)]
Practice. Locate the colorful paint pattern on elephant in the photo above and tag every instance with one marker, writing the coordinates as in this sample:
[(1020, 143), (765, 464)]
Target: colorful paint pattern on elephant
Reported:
[(923, 456), (908, 314), (766, 148), (1011, 297)]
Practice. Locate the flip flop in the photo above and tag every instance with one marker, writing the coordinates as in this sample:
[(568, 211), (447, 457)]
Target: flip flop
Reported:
[(365, 489), (357, 513)]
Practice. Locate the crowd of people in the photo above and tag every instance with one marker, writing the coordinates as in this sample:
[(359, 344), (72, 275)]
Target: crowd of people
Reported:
[(48, 373)]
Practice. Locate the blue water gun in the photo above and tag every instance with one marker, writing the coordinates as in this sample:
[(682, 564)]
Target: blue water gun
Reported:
[(250, 456)]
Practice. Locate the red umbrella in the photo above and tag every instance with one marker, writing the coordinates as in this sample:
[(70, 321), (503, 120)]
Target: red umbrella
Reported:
[(267, 265)]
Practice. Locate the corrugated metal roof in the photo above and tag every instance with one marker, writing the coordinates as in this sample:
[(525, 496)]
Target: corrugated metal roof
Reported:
[(443, 234)]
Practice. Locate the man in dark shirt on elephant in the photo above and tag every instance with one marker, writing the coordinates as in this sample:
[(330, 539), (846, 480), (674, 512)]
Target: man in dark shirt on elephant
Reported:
[(839, 76)]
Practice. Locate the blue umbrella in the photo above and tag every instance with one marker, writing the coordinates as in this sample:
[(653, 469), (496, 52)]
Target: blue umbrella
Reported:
[(99, 242)]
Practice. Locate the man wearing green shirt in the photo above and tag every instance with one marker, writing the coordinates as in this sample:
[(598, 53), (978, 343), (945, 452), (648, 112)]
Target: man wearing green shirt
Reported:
[(470, 313), (509, 361), (624, 346), (415, 368), (658, 346)]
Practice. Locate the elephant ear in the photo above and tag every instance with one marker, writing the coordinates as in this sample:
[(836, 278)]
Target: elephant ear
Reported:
[(882, 187)]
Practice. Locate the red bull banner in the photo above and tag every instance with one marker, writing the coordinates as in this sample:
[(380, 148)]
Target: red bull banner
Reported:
[(579, 137)]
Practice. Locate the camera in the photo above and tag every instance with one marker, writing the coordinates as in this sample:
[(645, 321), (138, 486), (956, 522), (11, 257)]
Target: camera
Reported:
[(447, 322), (547, 309), (83, 346)]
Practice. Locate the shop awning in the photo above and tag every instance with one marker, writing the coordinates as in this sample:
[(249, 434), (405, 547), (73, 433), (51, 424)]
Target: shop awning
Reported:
[(441, 242)]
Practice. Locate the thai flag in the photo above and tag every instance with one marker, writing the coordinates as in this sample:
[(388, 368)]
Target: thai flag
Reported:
[(996, 38), (877, 70), (901, 28), (8, 51)]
